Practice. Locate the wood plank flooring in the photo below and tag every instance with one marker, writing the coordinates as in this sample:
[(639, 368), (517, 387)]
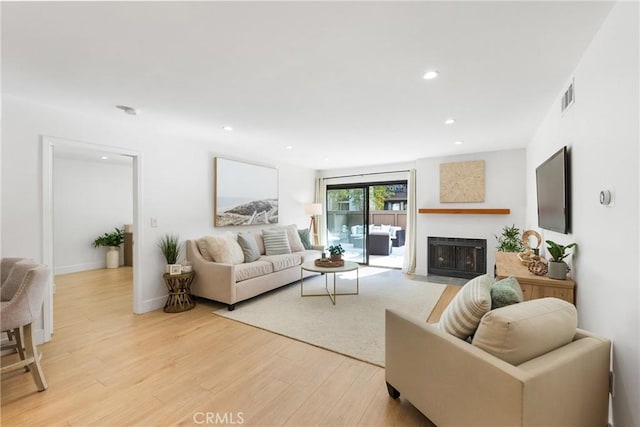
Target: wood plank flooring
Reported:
[(108, 367)]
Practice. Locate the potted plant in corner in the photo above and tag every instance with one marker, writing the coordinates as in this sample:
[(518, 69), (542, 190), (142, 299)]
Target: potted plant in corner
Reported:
[(509, 240), (336, 252), (557, 267), (113, 241), (170, 246)]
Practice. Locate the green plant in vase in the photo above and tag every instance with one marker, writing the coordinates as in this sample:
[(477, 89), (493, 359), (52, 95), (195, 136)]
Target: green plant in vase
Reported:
[(336, 252), (170, 246), (510, 240), (557, 267), (111, 240)]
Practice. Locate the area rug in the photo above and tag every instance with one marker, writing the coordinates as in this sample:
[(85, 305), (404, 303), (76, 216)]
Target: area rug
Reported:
[(355, 325)]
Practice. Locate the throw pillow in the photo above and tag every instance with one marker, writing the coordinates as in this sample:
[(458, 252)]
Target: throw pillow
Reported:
[(249, 247), (224, 248), (305, 238), (202, 247), (294, 238), (521, 332), (463, 314), (276, 242), (505, 292)]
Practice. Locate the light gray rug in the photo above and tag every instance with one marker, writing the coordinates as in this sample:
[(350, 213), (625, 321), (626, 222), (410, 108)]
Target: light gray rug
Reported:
[(355, 325)]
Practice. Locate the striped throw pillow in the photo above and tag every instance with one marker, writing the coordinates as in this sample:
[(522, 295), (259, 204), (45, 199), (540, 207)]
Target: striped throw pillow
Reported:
[(463, 314), (276, 242)]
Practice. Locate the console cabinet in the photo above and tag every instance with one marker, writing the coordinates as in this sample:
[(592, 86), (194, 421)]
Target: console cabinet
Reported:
[(508, 264)]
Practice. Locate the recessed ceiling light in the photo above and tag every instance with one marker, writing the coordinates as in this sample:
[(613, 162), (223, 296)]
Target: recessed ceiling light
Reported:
[(227, 128), (104, 158), (450, 121), (128, 110), (431, 74), (458, 142), (289, 147)]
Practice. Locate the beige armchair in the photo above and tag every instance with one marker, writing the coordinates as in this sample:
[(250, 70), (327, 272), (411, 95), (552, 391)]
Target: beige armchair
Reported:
[(455, 383), (26, 283)]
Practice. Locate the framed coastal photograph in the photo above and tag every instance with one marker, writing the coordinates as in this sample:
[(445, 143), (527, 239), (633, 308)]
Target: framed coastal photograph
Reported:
[(244, 193)]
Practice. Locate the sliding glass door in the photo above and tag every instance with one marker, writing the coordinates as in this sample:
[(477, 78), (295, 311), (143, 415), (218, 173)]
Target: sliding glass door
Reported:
[(369, 221), (346, 220)]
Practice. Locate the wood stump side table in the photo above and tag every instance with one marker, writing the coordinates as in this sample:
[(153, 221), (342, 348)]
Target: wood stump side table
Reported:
[(179, 286)]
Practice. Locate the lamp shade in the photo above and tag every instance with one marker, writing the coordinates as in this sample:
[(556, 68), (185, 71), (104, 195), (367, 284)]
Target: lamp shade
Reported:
[(313, 208)]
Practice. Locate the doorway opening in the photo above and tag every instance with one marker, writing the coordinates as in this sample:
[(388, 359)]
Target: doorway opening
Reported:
[(49, 147), (369, 221)]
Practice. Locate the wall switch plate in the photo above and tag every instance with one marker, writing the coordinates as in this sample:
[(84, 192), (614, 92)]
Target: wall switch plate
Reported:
[(154, 222)]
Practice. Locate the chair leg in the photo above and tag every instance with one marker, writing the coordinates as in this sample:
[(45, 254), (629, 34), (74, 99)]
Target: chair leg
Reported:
[(17, 333), (32, 352)]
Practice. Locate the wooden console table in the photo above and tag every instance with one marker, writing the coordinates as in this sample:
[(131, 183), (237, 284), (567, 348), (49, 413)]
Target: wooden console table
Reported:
[(508, 264)]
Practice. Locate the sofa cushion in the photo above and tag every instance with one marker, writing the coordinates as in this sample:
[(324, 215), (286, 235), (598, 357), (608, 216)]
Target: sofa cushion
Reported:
[(305, 238), (309, 255), (521, 332), (247, 242), (463, 314), (282, 262), (224, 248), (505, 292), (295, 243), (276, 241), (249, 270)]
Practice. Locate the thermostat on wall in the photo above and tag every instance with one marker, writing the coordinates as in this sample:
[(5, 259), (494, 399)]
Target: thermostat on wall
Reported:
[(606, 197)]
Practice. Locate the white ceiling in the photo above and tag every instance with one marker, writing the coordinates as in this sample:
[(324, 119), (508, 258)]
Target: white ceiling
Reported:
[(340, 82)]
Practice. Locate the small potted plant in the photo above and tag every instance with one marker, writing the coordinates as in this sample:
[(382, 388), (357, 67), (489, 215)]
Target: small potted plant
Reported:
[(557, 267), (336, 252), (509, 240), (112, 240), (170, 246)]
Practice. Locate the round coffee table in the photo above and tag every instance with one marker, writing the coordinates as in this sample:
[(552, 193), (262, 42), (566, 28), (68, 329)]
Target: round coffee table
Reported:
[(348, 266)]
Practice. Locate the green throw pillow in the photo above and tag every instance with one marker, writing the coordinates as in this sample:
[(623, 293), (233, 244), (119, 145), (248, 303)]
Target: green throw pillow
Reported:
[(306, 239), (505, 292), (249, 247)]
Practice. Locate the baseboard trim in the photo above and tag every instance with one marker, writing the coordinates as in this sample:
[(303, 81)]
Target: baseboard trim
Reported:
[(152, 304), (66, 269)]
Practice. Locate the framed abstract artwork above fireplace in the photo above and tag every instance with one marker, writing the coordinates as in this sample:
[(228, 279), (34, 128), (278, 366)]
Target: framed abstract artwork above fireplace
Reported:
[(244, 193)]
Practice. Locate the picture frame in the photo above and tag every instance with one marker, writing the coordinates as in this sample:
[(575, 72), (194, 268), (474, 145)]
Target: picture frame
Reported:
[(175, 269), (244, 193)]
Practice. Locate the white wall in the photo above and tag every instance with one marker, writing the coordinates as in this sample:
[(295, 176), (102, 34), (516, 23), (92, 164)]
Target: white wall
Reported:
[(91, 198), (601, 130), (504, 188), (177, 182)]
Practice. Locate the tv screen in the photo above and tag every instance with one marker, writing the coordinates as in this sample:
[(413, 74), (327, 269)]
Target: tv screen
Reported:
[(552, 182)]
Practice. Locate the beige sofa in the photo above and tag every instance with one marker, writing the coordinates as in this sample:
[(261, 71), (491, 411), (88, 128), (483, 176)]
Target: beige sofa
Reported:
[(231, 283), (456, 383)]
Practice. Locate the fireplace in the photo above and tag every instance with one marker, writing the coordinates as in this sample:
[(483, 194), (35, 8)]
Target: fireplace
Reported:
[(455, 257)]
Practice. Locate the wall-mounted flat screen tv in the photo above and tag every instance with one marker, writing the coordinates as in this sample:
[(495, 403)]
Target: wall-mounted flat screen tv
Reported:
[(553, 189)]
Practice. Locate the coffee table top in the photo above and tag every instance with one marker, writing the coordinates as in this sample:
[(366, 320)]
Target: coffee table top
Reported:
[(348, 266)]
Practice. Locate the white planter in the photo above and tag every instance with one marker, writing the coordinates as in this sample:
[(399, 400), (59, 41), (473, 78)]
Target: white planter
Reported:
[(113, 257)]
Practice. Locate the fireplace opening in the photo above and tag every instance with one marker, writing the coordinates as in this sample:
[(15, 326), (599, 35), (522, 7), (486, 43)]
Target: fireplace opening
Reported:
[(457, 257)]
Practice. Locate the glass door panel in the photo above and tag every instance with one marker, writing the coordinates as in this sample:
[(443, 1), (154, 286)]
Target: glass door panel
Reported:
[(346, 220)]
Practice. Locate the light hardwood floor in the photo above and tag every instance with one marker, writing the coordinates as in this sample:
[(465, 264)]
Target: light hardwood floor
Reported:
[(108, 367)]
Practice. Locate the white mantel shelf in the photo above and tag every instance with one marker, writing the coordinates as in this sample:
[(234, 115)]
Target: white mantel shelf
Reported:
[(471, 211)]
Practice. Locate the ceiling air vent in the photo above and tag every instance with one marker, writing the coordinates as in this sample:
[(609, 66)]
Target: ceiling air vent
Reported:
[(568, 97)]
